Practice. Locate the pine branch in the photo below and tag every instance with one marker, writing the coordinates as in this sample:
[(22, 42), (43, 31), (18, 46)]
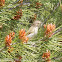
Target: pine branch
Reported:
[(2, 49), (51, 13), (16, 6), (44, 38), (16, 1), (60, 2), (19, 5), (57, 31)]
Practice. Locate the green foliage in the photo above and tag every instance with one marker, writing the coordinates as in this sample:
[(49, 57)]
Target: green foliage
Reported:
[(33, 50)]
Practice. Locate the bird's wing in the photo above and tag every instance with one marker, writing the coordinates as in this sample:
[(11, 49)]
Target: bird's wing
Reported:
[(31, 30), (30, 35)]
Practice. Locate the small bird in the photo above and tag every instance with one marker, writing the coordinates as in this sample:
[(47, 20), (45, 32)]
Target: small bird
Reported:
[(33, 30)]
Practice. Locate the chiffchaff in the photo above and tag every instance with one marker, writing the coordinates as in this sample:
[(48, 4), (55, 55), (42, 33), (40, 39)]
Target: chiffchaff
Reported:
[(33, 30)]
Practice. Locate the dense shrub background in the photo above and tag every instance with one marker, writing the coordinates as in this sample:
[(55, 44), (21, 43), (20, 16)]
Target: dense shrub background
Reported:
[(33, 50)]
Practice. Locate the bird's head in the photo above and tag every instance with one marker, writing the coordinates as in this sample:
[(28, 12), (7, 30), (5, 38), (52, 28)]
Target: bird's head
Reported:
[(37, 23)]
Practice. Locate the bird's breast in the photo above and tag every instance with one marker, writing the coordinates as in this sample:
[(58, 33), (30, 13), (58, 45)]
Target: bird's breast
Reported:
[(36, 30)]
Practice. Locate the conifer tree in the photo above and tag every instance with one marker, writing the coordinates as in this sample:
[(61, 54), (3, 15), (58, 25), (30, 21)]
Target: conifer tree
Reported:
[(16, 17)]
